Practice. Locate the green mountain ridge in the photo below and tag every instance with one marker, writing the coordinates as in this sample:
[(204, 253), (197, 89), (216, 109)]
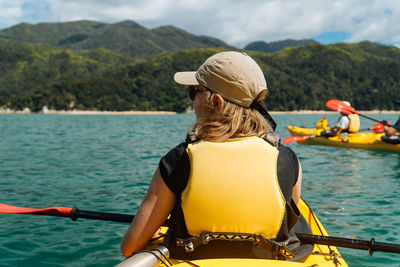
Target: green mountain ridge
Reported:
[(354, 72), (298, 78), (84, 74), (26, 66), (277, 45), (126, 37)]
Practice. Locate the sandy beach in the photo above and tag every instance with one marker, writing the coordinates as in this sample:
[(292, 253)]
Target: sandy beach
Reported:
[(90, 112), (87, 112)]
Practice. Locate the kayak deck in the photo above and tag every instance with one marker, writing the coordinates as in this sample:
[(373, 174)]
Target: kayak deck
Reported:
[(322, 255)]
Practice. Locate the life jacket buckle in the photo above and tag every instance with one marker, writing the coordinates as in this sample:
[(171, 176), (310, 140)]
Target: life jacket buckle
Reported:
[(189, 247), (279, 248), (186, 243), (193, 242), (286, 253)]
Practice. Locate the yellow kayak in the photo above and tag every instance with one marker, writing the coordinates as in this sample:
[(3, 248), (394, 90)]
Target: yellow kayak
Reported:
[(362, 140), (320, 255)]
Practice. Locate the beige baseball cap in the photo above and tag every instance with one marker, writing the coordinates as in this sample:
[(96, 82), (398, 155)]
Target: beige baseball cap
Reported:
[(233, 75)]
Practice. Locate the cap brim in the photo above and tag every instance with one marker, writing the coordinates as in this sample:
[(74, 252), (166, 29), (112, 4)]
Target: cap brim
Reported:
[(186, 78)]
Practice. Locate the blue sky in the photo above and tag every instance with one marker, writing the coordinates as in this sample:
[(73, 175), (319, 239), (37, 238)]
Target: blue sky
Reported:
[(332, 37), (236, 22)]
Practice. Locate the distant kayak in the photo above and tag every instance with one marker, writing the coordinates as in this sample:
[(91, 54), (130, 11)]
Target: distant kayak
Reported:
[(361, 140), (310, 255)]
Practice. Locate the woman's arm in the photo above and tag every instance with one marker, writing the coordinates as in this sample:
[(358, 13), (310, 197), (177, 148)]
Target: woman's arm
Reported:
[(389, 130), (297, 187), (153, 212)]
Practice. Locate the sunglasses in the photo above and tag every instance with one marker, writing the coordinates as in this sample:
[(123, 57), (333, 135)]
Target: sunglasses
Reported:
[(193, 90)]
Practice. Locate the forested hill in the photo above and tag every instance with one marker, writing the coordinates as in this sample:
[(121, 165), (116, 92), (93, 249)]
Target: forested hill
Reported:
[(126, 37), (278, 45), (125, 66), (365, 74), (26, 66)]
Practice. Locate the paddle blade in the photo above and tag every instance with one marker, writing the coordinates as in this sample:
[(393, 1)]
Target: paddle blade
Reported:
[(377, 127), (338, 105), (291, 139), (51, 211)]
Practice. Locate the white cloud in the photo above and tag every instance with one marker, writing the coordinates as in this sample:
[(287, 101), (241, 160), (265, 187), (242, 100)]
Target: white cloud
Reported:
[(234, 21), (380, 22), (11, 12)]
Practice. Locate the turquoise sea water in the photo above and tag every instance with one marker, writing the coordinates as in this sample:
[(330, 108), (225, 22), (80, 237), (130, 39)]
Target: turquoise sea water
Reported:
[(105, 163)]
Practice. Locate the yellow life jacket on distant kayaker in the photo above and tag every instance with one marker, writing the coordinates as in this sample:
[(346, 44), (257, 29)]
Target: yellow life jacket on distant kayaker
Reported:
[(237, 192), (354, 123), (322, 124)]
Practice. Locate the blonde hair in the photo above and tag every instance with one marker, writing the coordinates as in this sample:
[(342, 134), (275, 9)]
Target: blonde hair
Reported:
[(228, 121)]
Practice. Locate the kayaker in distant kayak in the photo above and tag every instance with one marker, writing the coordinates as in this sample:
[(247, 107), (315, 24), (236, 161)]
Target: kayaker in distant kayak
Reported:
[(347, 123), (231, 175), (392, 133)]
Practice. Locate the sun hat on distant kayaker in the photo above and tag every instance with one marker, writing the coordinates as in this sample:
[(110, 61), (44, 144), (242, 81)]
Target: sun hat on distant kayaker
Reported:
[(347, 103), (233, 75)]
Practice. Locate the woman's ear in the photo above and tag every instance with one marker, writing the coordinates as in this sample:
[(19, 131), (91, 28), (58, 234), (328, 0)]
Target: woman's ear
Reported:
[(218, 100)]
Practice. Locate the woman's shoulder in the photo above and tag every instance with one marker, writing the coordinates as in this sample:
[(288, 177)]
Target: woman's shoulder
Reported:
[(175, 167), (287, 151), (177, 151)]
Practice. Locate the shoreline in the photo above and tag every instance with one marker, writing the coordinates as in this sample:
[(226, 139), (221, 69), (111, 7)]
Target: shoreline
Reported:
[(334, 112), (135, 112), (89, 112)]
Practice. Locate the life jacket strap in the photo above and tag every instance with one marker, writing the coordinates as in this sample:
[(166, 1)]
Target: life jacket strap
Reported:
[(278, 249), (257, 106)]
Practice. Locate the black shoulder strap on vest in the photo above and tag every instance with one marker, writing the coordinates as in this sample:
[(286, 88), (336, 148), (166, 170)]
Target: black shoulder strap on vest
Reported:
[(257, 106)]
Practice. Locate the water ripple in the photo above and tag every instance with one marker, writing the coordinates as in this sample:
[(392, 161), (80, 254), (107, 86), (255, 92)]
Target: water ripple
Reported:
[(105, 163)]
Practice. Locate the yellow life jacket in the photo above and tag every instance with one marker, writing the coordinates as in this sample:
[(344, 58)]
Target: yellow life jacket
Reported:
[(233, 187), (354, 124), (322, 124)]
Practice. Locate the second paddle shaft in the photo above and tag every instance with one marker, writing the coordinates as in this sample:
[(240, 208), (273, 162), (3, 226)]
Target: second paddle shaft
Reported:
[(369, 245)]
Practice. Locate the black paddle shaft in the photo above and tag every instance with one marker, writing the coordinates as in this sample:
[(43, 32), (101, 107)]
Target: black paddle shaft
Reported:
[(369, 245), (104, 216), (369, 118)]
